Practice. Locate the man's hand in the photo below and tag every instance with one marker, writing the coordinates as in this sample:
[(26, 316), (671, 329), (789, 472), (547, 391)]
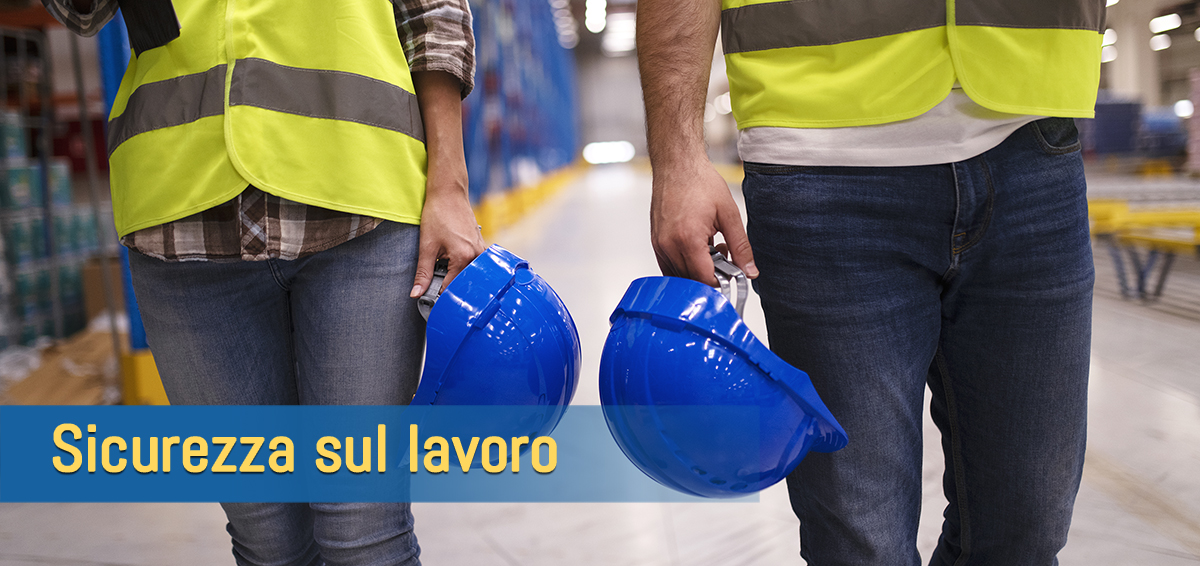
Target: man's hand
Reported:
[(691, 202), (448, 228), (690, 205)]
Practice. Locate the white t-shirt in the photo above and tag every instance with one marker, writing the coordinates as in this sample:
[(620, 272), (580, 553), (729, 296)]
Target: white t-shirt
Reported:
[(956, 129)]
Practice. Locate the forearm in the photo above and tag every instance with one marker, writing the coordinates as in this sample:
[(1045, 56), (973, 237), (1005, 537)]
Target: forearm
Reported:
[(438, 93), (675, 46), (448, 228)]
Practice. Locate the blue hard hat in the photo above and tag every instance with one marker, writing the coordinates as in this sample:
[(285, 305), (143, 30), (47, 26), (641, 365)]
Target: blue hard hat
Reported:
[(676, 344), (499, 335)]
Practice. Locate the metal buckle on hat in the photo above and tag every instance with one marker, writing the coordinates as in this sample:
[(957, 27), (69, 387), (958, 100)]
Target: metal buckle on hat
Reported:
[(425, 302), (725, 272)]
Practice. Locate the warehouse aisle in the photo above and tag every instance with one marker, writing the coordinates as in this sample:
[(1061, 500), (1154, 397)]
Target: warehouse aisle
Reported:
[(1140, 502)]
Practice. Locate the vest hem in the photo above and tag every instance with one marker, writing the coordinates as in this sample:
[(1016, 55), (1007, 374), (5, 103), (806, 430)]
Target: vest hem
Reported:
[(180, 214), (1018, 109), (849, 123)]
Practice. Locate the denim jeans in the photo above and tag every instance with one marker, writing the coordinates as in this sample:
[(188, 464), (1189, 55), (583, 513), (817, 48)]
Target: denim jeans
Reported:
[(333, 328), (972, 277)]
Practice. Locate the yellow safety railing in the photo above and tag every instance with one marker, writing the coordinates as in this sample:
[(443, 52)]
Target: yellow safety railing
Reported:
[(1160, 233)]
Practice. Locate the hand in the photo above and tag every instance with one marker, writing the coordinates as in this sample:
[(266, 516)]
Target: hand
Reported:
[(690, 205), (448, 230)]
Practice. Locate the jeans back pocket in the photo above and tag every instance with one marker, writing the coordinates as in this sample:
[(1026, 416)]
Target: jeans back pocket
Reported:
[(1057, 136)]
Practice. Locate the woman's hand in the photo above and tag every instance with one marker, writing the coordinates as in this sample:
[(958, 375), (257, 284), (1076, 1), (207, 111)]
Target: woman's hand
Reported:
[(448, 230)]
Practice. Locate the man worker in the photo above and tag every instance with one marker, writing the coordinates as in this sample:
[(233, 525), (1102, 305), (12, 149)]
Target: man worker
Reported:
[(916, 216), (285, 175)]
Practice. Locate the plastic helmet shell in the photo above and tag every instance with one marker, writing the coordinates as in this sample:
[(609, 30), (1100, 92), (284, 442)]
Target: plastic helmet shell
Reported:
[(499, 335), (677, 342)]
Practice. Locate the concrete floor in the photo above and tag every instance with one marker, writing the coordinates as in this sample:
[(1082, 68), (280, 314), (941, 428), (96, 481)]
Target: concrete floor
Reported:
[(1139, 504)]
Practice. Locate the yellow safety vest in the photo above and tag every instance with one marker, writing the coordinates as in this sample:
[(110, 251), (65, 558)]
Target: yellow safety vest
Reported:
[(307, 100), (832, 63)]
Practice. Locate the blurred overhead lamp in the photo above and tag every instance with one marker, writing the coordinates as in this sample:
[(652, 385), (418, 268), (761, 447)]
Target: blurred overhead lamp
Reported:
[(1110, 37), (595, 15), (710, 112), (1184, 108), (621, 37), (1160, 42), (1112, 2), (1165, 23), (1197, 34), (1108, 54), (568, 40), (608, 152), (565, 24), (724, 104)]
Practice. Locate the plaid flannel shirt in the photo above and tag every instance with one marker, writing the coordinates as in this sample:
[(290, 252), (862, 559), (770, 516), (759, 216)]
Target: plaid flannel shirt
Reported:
[(255, 225)]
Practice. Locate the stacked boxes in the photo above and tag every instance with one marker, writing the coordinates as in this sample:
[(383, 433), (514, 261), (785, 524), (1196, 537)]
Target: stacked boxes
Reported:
[(28, 282)]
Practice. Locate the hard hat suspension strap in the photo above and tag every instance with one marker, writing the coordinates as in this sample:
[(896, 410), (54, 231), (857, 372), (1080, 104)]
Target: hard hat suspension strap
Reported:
[(726, 272)]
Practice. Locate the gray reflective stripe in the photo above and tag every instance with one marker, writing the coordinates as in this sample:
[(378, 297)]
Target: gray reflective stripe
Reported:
[(333, 95), (172, 102), (1052, 14), (800, 23)]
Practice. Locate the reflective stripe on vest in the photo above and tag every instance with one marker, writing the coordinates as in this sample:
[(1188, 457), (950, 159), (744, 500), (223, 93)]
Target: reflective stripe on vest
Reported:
[(309, 101), (829, 63), (331, 95)]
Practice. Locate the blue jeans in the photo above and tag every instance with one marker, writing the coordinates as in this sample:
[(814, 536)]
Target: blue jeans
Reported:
[(974, 278), (333, 328)]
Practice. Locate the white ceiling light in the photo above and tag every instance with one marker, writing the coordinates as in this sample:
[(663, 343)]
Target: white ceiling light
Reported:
[(1184, 108), (1112, 2), (594, 15), (621, 37), (1110, 37), (1108, 54), (1165, 23), (1197, 34), (1160, 42), (608, 152)]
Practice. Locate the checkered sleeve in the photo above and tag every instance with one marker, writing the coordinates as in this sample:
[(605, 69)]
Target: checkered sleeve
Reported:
[(83, 24), (437, 37)]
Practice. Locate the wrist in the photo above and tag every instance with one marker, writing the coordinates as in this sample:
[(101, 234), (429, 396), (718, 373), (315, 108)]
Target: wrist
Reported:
[(443, 187), (680, 165)]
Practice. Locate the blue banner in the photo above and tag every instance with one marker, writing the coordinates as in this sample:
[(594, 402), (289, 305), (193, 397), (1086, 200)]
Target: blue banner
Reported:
[(310, 453)]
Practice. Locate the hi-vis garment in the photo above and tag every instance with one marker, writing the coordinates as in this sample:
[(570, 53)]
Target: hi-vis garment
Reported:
[(831, 63), (310, 101)]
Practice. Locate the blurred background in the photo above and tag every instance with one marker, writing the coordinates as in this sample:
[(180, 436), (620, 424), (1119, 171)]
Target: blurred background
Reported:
[(556, 154)]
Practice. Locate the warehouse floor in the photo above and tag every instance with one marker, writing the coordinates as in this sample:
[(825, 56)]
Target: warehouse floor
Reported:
[(1139, 504)]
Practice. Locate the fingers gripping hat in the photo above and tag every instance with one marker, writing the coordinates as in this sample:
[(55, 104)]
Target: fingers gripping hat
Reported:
[(680, 343), (499, 335)]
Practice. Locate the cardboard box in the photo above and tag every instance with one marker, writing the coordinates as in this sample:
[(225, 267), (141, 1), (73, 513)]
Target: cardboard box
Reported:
[(93, 287)]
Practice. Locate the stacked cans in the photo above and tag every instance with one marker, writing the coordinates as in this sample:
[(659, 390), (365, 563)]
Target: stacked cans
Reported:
[(36, 212)]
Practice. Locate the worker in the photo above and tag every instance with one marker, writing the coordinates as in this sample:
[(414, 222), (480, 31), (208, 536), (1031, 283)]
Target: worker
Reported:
[(286, 175), (916, 216)]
